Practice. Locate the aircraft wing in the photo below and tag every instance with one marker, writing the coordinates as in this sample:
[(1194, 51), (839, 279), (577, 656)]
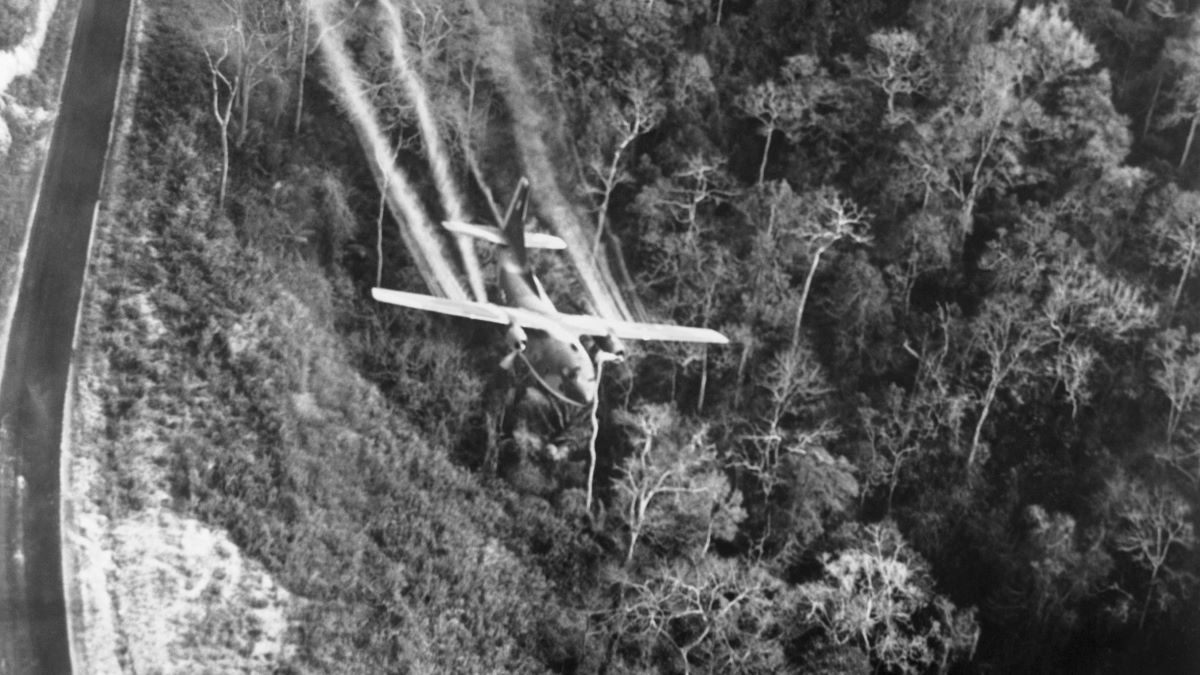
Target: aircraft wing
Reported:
[(632, 330), (478, 311), (562, 326)]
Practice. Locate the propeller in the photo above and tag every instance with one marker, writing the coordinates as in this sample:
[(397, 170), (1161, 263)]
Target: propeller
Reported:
[(506, 363), (517, 340), (612, 348), (516, 337)]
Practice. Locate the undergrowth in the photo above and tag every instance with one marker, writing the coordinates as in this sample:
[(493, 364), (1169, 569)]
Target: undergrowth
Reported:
[(230, 391)]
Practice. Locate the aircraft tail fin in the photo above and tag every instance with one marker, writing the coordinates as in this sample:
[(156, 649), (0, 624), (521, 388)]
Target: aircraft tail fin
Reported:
[(514, 221)]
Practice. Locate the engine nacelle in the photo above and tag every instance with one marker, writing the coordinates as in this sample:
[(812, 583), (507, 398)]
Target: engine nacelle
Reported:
[(516, 338), (613, 344)]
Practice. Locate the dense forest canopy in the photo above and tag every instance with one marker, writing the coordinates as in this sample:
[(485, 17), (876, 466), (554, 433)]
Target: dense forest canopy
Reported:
[(954, 243)]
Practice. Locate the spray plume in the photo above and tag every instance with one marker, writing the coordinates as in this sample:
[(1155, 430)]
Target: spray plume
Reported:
[(435, 150), (529, 123), (418, 234)]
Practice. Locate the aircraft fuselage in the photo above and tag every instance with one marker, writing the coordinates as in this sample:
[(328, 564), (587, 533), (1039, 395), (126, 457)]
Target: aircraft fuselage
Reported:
[(559, 359)]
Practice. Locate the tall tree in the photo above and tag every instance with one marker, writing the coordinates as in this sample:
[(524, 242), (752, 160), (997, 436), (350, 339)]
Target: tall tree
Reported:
[(1178, 354), (835, 218), (670, 492), (872, 594), (978, 140), (899, 66), (637, 112), (1008, 340), (711, 615), (222, 87), (790, 105), (1178, 232), (257, 33), (1183, 55), (1153, 523)]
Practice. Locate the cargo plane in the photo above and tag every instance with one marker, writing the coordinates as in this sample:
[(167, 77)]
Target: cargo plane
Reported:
[(549, 341)]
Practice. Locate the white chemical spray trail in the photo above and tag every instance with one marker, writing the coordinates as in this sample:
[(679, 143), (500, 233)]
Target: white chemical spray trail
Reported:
[(529, 124), (417, 232), (435, 151)]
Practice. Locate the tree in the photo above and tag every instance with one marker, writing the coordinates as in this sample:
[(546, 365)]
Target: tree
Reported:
[(773, 208), (222, 86), (835, 218), (1153, 521), (1062, 571), (297, 12), (878, 594), (670, 492), (898, 66), (1007, 339), (910, 423), (1087, 311), (256, 33), (1178, 232), (791, 105), (971, 144), (1085, 302), (1179, 355), (1183, 55), (637, 112), (978, 140), (713, 614), (694, 267)]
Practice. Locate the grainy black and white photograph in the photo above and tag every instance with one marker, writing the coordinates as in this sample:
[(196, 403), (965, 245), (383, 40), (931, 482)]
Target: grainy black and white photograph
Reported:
[(599, 337)]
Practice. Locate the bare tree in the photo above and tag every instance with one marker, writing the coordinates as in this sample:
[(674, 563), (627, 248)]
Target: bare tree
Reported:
[(898, 65), (1179, 378), (222, 87), (639, 112), (1153, 522), (256, 34), (1183, 53), (715, 615), (297, 12), (870, 596), (669, 490), (788, 105), (909, 422), (1007, 338), (836, 218), (1179, 232)]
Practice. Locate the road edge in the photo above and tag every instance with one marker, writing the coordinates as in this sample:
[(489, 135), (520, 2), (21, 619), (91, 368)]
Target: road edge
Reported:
[(72, 541)]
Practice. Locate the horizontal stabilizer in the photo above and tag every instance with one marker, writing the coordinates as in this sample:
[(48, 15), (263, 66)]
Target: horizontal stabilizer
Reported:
[(494, 235)]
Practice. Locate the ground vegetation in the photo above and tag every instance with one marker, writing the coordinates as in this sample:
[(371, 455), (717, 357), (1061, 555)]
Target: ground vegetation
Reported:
[(953, 242)]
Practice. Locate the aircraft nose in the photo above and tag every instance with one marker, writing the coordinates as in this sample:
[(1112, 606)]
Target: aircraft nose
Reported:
[(579, 387)]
